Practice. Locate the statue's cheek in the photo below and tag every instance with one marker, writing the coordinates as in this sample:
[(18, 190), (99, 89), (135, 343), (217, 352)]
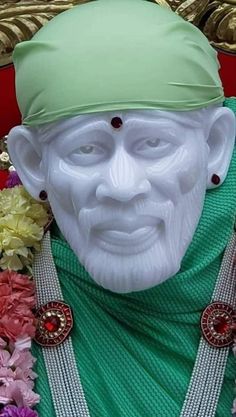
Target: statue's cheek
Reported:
[(192, 172)]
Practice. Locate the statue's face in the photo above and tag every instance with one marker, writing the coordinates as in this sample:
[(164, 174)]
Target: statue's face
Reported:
[(127, 200)]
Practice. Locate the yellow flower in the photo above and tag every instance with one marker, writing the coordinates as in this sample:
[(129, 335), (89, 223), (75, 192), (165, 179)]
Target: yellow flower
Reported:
[(21, 227), (38, 213), (8, 240), (11, 262), (17, 201), (16, 262), (22, 221), (13, 200)]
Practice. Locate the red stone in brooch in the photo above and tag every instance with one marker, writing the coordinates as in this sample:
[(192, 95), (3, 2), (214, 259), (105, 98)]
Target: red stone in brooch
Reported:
[(217, 323), (54, 323)]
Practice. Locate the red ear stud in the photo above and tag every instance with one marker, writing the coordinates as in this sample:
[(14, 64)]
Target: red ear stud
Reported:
[(43, 195), (215, 179), (116, 122)]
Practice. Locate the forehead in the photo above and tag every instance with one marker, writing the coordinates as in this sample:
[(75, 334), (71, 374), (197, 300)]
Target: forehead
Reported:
[(130, 119)]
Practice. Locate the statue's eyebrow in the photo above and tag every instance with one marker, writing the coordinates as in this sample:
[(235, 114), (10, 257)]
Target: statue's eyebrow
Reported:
[(58, 128), (194, 122), (180, 117)]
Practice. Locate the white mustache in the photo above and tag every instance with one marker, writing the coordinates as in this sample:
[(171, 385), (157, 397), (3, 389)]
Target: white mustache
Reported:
[(141, 213)]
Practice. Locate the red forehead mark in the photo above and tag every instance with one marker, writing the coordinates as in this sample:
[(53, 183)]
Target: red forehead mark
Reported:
[(116, 122)]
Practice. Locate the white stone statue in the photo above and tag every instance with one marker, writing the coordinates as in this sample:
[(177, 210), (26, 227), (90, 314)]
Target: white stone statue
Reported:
[(127, 199)]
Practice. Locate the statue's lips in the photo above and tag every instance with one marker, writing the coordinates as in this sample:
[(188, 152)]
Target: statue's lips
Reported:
[(126, 238), (131, 237)]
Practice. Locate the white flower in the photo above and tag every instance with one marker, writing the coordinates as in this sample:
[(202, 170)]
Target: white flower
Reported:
[(4, 157)]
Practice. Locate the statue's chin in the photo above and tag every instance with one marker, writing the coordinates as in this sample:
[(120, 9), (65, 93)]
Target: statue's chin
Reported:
[(123, 268), (131, 272)]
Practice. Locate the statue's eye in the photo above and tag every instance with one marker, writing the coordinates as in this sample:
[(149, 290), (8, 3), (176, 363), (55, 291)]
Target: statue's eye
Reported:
[(93, 149), (86, 149), (153, 143), (153, 148), (87, 154)]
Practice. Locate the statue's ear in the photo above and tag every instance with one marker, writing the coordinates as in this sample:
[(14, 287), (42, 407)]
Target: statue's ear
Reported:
[(221, 138), (25, 153)]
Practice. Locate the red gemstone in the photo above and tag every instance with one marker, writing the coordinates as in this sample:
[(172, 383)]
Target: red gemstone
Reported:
[(221, 325), (51, 324), (116, 122)]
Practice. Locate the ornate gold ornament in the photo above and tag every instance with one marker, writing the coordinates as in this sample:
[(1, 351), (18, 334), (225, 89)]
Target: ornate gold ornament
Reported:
[(21, 19), (216, 18)]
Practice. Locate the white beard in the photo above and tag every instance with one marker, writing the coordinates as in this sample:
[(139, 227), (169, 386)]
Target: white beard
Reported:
[(140, 269)]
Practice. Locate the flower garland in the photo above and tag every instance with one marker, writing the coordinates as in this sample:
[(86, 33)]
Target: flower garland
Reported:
[(22, 223)]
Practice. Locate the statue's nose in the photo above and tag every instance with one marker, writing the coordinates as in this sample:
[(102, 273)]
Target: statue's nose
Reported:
[(123, 180), (122, 193)]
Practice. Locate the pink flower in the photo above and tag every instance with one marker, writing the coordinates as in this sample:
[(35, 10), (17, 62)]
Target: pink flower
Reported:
[(16, 302), (3, 343), (22, 395), (17, 376), (6, 376), (4, 358), (22, 343), (19, 393), (16, 365)]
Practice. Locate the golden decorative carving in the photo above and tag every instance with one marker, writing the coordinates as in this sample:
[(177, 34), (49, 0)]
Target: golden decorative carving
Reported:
[(216, 18), (21, 19)]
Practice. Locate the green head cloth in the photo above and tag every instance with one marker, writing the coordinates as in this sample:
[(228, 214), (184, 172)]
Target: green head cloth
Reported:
[(115, 55)]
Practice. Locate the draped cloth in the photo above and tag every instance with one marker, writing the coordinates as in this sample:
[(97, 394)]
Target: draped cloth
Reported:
[(109, 55)]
